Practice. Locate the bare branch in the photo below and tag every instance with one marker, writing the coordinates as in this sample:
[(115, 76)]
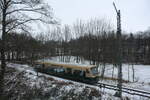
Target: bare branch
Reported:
[(8, 2), (17, 10), (30, 3), (38, 19), (11, 21), (13, 2), (1, 4)]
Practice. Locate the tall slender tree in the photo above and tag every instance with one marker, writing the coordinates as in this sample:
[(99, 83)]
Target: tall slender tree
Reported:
[(16, 15)]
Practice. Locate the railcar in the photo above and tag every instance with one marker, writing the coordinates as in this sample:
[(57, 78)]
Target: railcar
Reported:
[(83, 73)]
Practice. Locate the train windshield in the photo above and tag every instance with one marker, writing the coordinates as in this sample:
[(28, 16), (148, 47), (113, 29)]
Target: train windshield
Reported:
[(94, 70)]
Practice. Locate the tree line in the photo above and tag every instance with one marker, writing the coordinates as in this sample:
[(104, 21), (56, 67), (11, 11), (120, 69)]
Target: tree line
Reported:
[(96, 43)]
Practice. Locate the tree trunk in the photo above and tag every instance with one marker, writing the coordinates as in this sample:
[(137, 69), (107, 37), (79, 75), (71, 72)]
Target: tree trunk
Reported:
[(3, 62), (77, 59), (12, 56), (113, 70), (103, 70), (8, 57), (133, 74), (128, 73)]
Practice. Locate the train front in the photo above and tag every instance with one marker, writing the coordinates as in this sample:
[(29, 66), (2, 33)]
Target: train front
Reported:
[(93, 74)]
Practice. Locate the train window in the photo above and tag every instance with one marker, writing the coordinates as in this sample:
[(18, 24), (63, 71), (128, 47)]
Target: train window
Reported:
[(82, 73), (43, 65), (94, 70), (60, 70), (69, 70), (50, 69), (79, 73), (87, 71)]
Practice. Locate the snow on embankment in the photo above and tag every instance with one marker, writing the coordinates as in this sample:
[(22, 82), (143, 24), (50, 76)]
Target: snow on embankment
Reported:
[(53, 88), (142, 72)]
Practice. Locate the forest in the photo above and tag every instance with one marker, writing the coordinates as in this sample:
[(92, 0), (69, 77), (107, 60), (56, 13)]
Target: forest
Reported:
[(95, 41)]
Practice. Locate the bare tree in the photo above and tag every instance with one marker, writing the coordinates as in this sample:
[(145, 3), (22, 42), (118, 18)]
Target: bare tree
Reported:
[(16, 15), (78, 31), (67, 36)]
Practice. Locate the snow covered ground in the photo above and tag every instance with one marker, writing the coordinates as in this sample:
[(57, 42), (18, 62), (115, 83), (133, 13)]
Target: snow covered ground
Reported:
[(58, 87), (142, 73)]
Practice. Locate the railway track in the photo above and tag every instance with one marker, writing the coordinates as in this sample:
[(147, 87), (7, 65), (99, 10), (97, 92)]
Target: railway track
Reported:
[(127, 90)]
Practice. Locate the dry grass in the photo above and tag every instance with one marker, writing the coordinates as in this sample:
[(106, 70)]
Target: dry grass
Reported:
[(51, 79), (95, 93)]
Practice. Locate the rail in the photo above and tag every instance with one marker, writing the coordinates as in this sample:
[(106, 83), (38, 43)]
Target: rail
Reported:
[(124, 89)]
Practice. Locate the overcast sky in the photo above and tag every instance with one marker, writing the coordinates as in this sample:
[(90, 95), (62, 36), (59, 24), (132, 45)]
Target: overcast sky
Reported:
[(135, 13)]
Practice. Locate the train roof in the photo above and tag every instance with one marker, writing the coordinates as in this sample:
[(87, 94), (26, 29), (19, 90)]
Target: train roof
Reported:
[(67, 65)]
